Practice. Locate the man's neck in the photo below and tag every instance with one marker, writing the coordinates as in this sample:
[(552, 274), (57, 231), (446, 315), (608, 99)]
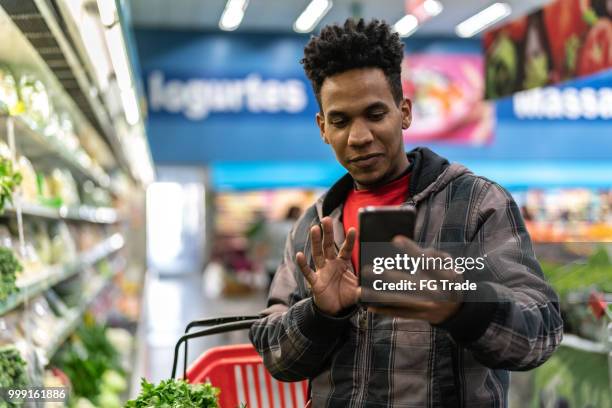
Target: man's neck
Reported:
[(395, 175)]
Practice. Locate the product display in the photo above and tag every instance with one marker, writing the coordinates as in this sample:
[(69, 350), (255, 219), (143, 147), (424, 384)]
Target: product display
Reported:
[(63, 233)]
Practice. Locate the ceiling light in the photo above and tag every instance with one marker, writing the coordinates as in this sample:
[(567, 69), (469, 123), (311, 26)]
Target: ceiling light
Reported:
[(311, 16), (406, 25), (433, 7), (483, 19), (233, 14), (108, 12)]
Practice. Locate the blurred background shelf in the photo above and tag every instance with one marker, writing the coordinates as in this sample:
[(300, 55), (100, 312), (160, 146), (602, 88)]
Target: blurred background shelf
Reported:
[(59, 273), (96, 215), (74, 320), (48, 152)]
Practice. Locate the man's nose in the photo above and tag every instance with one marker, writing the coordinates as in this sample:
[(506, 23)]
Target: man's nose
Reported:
[(359, 134)]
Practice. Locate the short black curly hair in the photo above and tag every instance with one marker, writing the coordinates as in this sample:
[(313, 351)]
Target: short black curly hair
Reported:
[(339, 48)]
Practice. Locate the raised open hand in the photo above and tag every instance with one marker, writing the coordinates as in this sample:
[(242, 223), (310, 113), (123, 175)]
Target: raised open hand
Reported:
[(334, 285)]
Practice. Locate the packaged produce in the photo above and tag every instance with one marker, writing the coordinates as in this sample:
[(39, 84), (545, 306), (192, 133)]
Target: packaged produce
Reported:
[(63, 248), (32, 266), (44, 192), (67, 134), (44, 323), (29, 189), (43, 243), (9, 98), (63, 187), (36, 102), (10, 331), (6, 239), (95, 196)]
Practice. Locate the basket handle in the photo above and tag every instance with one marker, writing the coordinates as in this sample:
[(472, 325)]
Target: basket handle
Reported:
[(219, 328), (218, 320), (210, 322)]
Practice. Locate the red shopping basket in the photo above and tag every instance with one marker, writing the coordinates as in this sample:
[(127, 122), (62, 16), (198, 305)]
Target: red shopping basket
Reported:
[(238, 370)]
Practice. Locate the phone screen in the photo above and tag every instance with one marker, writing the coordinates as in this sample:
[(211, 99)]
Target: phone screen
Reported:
[(377, 228)]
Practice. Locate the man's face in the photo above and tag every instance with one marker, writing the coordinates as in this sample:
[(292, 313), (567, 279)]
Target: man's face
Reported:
[(363, 124)]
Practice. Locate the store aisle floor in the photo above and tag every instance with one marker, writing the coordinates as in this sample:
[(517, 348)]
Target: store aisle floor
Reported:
[(171, 303)]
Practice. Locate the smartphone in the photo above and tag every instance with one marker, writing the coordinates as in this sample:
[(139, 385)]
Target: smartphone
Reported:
[(381, 224), (377, 228)]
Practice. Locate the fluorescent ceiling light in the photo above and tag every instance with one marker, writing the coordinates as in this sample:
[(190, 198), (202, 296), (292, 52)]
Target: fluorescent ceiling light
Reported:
[(406, 25), (433, 7), (108, 12), (233, 14), (483, 19), (116, 49), (311, 16)]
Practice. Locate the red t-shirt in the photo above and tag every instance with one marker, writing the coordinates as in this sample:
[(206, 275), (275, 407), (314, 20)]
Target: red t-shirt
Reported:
[(394, 193)]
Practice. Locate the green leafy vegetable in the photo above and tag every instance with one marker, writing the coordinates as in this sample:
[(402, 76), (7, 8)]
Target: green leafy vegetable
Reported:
[(595, 273), (9, 180), (9, 266), (12, 373), (175, 394), (89, 361)]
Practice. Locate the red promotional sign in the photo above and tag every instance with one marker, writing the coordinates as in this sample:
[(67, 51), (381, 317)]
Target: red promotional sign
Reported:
[(564, 40), (446, 92)]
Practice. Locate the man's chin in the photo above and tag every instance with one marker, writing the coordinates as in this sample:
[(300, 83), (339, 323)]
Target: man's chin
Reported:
[(366, 179)]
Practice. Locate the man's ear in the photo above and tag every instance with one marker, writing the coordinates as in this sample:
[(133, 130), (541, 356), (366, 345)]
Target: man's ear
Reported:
[(406, 107), (321, 124)]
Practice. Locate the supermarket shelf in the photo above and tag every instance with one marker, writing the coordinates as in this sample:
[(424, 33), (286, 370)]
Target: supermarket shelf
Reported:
[(97, 215), (57, 274), (578, 343), (72, 322), (48, 151)]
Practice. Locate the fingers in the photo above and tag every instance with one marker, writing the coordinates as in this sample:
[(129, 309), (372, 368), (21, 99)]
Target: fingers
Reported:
[(407, 245), (329, 248), (308, 273), (317, 249), (350, 276), (346, 250), (412, 249)]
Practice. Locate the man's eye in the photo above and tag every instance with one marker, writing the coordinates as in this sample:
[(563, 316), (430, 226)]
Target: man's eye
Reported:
[(376, 115), (338, 122)]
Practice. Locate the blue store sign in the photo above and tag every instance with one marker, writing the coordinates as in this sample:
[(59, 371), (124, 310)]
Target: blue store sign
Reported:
[(583, 100), (196, 97)]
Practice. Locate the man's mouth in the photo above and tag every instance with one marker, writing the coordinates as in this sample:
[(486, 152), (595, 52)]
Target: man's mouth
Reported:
[(367, 160)]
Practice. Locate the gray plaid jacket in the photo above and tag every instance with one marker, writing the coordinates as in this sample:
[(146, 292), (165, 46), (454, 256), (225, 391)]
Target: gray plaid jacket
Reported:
[(364, 359)]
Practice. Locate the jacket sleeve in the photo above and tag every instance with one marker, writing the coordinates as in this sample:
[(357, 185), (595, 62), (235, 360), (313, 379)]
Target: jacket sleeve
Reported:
[(294, 338), (512, 321)]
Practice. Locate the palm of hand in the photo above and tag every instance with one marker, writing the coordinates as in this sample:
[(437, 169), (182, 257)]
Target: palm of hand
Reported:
[(332, 289), (334, 286)]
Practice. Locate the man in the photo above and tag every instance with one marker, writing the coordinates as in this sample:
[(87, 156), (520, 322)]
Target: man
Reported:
[(422, 353)]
